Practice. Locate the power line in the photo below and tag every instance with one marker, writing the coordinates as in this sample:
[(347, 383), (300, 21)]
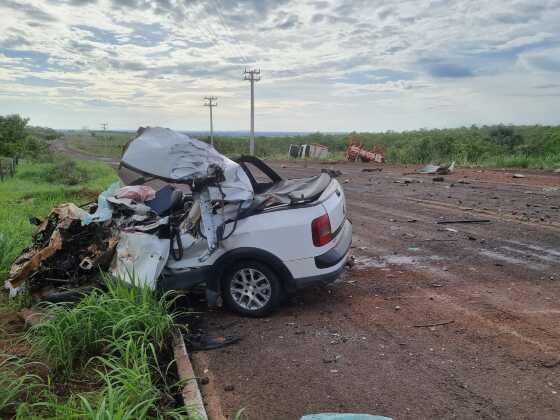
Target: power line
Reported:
[(210, 34), (252, 76), (210, 102), (217, 5)]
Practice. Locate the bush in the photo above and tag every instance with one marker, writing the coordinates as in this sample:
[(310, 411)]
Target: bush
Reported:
[(19, 140), (66, 171)]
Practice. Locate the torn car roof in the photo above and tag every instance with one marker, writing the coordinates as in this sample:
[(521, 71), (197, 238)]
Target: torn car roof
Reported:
[(177, 158)]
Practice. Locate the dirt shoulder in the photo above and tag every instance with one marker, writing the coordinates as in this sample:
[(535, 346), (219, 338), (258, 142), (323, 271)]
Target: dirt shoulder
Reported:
[(366, 344)]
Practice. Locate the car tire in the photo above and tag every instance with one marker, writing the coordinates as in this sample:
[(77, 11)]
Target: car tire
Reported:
[(252, 289)]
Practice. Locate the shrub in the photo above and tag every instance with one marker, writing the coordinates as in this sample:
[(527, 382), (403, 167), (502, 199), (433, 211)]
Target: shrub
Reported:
[(66, 171)]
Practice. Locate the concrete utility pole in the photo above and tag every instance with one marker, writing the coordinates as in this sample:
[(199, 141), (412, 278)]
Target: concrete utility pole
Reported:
[(105, 138), (211, 103), (253, 76)]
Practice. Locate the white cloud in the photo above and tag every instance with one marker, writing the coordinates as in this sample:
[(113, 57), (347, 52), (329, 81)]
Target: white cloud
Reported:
[(327, 65)]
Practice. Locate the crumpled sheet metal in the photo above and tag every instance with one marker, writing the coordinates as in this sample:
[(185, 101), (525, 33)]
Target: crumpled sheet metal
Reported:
[(58, 241), (29, 262), (140, 258), (175, 157)]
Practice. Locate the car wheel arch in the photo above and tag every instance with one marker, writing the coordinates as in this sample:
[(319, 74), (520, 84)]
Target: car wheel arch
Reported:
[(238, 255)]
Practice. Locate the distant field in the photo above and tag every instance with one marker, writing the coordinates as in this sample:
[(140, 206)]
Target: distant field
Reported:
[(99, 144), (513, 146)]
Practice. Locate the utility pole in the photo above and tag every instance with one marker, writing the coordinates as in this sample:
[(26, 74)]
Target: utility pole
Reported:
[(211, 103), (252, 76), (104, 125)]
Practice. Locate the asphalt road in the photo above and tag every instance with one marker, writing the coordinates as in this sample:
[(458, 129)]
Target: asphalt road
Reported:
[(366, 343)]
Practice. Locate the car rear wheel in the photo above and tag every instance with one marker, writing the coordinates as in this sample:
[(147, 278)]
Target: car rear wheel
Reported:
[(251, 288)]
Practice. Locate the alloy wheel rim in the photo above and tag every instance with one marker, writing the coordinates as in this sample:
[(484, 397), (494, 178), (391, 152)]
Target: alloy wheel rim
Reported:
[(250, 289)]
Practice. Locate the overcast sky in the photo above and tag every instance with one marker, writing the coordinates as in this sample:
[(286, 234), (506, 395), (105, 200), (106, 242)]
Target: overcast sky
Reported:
[(337, 65)]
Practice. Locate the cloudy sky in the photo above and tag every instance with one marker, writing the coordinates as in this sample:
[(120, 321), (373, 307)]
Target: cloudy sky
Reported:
[(334, 65)]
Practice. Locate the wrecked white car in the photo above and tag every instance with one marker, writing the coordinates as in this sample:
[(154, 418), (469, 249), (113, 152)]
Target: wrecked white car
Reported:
[(188, 215), (240, 228)]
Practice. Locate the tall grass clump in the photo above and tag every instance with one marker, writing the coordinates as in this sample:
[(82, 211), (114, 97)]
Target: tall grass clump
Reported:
[(133, 387), (16, 383), (74, 334), (7, 254)]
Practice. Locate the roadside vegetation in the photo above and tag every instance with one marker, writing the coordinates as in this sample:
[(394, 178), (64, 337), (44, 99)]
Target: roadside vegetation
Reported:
[(494, 146), (107, 357), (18, 140)]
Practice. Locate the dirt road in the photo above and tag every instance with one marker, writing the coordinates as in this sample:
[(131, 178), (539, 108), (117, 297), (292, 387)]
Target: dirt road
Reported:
[(60, 146), (364, 344)]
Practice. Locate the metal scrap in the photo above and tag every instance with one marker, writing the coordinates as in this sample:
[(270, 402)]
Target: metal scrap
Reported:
[(313, 150), (437, 169), (445, 222), (64, 252), (357, 152)]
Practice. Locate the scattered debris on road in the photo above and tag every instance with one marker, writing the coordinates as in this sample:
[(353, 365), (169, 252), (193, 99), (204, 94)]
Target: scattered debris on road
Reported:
[(445, 222), (343, 416), (437, 169), (407, 181), (356, 152), (314, 151), (434, 324)]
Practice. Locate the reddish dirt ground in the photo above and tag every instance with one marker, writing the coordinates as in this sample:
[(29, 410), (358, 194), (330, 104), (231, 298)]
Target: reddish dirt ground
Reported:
[(362, 344)]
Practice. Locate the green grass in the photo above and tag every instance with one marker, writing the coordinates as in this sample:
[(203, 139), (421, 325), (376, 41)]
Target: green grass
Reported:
[(549, 161), (29, 194), (132, 386), (118, 338), (75, 334), (16, 383)]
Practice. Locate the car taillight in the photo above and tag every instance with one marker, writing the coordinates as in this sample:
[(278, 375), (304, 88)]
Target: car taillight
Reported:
[(321, 230)]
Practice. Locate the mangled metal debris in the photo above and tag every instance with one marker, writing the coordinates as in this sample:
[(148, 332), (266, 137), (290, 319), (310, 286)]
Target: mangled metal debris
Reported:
[(64, 252), (437, 169), (357, 152), (131, 230), (313, 151)]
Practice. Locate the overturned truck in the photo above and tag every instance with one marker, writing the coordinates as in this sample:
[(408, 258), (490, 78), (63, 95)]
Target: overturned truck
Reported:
[(189, 216)]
